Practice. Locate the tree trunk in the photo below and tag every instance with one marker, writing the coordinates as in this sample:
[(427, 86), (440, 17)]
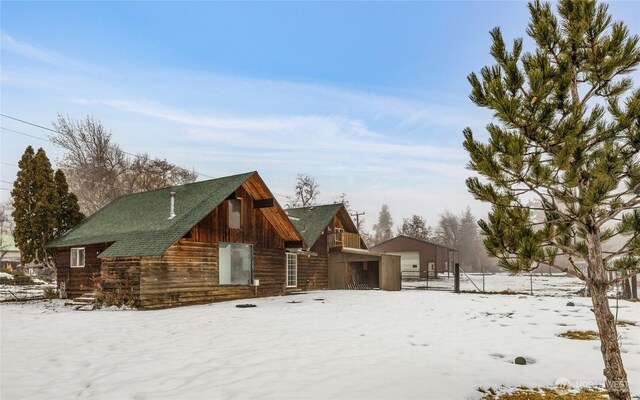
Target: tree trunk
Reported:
[(616, 384)]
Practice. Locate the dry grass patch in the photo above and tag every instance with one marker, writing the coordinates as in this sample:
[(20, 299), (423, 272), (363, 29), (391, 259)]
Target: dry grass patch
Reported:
[(625, 323), (523, 393), (581, 335), (503, 292)]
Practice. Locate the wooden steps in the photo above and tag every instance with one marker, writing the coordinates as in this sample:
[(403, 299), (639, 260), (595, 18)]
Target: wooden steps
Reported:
[(86, 302)]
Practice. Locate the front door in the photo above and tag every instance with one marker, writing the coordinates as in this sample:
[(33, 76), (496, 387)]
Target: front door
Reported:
[(432, 270)]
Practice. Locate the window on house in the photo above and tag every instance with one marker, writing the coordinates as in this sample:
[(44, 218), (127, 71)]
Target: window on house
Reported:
[(77, 257), (234, 214), (292, 270), (235, 264)]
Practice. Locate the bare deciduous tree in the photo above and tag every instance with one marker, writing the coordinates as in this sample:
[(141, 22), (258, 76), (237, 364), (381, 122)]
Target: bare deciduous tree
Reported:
[(448, 232), (98, 170), (306, 192)]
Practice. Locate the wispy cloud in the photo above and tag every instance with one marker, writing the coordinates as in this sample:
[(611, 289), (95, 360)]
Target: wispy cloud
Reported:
[(377, 148), (12, 45), (290, 132)]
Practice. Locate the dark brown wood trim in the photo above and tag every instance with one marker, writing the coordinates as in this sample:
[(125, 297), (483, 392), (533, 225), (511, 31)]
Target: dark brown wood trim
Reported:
[(264, 203)]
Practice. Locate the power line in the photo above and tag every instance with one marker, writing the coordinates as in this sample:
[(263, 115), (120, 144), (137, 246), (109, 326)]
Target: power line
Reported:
[(56, 144), (110, 185), (25, 134), (60, 133)]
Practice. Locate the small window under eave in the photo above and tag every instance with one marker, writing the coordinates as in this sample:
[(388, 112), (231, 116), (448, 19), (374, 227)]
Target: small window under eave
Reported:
[(235, 215)]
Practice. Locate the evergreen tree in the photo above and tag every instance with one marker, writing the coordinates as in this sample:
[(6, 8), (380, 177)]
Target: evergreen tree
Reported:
[(36, 207), (416, 227), (566, 131), (470, 251), (383, 230), (69, 214)]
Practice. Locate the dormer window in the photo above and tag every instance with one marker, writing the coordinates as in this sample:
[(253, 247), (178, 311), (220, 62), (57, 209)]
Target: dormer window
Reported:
[(235, 216)]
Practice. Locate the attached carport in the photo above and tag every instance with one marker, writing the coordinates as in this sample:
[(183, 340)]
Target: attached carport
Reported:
[(361, 269)]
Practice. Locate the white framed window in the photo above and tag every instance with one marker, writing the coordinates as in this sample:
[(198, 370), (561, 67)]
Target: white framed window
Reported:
[(292, 270), (77, 257), (235, 264)]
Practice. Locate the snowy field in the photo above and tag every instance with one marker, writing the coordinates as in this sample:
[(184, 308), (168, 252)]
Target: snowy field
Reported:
[(413, 344), (22, 292)]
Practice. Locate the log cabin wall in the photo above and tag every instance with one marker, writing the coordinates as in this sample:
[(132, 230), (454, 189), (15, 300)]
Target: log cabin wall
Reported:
[(187, 273), (79, 280), (313, 270), (121, 277)]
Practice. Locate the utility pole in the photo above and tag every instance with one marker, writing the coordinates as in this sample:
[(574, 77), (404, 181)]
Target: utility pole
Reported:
[(357, 215)]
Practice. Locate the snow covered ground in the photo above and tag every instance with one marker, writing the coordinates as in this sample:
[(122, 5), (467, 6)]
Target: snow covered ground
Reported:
[(22, 292), (542, 285), (332, 344)]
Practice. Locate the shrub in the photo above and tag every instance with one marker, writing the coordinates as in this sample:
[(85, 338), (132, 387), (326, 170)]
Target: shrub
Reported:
[(50, 292)]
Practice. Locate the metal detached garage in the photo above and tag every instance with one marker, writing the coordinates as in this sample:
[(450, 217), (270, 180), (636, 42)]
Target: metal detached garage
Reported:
[(419, 259)]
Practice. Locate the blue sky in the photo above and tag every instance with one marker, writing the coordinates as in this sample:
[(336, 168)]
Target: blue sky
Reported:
[(370, 98)]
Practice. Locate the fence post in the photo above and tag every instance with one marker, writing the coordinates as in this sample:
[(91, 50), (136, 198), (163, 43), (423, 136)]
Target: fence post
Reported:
[(456, 278), (531, 280)]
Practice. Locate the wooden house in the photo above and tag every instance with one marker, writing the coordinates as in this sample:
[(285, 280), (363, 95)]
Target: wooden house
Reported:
[(9, 253), (419, 259), (336, 245), (213, 240), (219, 239)]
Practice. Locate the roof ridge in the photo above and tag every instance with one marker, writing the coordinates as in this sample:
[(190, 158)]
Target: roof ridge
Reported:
[(314, 206), (416, 239), (131, 215), (200, 204), (183, 185)]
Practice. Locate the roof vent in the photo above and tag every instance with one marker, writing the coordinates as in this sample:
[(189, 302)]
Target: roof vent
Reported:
[(172, 207)]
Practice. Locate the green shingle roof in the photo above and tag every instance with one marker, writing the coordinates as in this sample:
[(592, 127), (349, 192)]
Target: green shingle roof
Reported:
[(139, 224), (311, 221)]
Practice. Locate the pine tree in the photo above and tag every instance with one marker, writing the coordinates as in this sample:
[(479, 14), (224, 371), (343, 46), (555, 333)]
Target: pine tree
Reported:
[(36, 207), (566, 131), (470, 251), (69, 214), (384, 228), (416, 227)]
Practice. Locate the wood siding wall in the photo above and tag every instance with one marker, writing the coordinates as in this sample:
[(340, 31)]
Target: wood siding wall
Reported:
[(313, 271), (121, 276), (187, 273), (79, 280), (390, 273), (255, 228)]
